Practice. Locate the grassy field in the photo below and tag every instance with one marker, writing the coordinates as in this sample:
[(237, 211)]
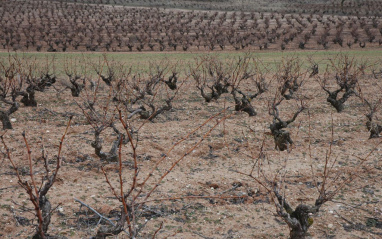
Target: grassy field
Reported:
[(142, 61)]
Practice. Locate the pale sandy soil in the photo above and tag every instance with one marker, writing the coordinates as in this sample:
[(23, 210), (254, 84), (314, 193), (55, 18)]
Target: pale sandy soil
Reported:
[(202, 172)]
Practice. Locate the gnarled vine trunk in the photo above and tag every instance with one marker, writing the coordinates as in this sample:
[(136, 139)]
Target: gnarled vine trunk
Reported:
[(4, 116)]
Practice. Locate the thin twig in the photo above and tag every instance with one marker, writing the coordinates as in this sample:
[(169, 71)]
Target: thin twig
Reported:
[(95, 211)]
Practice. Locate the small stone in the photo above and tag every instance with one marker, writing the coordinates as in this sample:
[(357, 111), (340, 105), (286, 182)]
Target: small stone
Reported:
[(330, 226), (13, 120), (368, 190)]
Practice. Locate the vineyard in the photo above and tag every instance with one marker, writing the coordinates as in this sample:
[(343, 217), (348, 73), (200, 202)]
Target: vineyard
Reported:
[(209, 148), (190, 119), (116, 26), (339, 7)]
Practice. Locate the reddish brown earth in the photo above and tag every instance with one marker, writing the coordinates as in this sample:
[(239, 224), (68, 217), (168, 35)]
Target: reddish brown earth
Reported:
[(64, 26)]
